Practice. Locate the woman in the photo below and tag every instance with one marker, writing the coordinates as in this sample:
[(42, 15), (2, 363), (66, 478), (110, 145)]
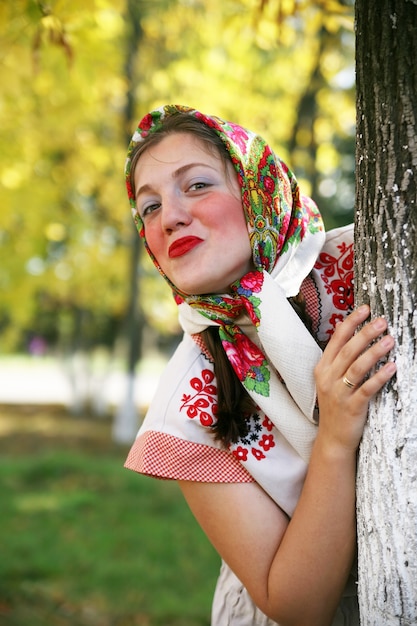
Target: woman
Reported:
[(259, 426)]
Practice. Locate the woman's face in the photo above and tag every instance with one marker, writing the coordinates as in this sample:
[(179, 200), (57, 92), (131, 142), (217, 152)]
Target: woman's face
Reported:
[(191, 208)]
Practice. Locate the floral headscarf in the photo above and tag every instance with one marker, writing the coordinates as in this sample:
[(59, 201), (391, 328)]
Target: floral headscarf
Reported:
[(280, 220), (286, 234)]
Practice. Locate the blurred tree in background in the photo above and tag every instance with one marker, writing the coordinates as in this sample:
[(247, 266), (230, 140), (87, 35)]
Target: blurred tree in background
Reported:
[(70, 89)]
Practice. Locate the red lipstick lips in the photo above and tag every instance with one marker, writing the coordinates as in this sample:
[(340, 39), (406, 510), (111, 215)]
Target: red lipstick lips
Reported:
[(182, 246)]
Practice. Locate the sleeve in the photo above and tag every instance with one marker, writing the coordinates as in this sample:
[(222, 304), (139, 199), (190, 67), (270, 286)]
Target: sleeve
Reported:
[(175, 440), (164, 456)]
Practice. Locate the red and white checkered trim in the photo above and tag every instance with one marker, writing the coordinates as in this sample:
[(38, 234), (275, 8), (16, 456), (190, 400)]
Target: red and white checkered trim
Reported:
[(165, 456), (197, 338), (313, 304)]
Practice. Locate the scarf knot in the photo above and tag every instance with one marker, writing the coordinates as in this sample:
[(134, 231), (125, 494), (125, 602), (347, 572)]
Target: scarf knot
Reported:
[(244, 297), (246, 290)]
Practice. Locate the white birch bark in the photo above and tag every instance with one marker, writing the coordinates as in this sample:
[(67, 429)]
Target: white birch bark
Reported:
[(386, 252)]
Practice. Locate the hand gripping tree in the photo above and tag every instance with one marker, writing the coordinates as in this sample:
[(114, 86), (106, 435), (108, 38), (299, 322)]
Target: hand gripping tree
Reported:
[(386, 257)]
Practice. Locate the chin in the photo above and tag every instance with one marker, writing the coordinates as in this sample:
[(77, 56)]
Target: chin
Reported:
[(194, 290)]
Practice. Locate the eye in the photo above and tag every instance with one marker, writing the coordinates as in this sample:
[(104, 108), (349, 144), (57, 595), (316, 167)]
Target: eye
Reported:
[(149, 208), (198, 185)]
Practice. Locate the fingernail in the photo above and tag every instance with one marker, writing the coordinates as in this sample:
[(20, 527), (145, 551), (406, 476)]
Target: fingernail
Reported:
[(364, 308), (380, 323), (387, 341)]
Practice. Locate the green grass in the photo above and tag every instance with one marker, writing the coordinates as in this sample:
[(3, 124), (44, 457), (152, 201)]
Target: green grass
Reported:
[(86, 542)]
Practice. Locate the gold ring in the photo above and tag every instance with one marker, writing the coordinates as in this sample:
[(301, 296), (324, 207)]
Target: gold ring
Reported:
[(347, 382)]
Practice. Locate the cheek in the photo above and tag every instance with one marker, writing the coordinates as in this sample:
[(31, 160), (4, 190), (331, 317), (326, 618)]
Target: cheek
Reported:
[(235, 236), (236, 222), (154, 241)]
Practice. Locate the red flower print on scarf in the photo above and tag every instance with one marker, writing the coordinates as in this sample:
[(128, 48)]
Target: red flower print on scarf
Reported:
[(258, 454), (246, 287), (269, 185), (204, 398), (255, 439), (243, 355), (146, 122), (247, 360), (343, 292), (252, 282), (336, 318), (129, 187), (337, 275), (264, 252), (267, 442), (240, 453)]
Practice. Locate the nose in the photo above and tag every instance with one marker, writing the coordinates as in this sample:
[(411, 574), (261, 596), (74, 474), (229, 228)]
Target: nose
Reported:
[(174, 214)]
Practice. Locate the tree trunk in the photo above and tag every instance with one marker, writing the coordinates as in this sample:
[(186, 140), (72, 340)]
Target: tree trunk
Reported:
[(125, 423), (386, 253)]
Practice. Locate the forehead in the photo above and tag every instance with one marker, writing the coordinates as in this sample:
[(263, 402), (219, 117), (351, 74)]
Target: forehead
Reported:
[(177, 147), (173, 153)]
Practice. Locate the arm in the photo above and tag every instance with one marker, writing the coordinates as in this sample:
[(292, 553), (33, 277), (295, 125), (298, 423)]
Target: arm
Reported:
[(296, 570)]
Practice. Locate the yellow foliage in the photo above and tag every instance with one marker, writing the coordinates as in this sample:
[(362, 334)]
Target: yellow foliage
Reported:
[(65, 225), (55, 231), (327, 157)]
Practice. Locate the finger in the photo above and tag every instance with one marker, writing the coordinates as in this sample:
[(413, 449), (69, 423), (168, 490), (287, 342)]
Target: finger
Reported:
[(345, 331), (355, 345), (374, 383), (368, 359)]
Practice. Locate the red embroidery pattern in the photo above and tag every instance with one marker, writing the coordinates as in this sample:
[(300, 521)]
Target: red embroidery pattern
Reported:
[(257, 442), (337, 277), (204, 398)]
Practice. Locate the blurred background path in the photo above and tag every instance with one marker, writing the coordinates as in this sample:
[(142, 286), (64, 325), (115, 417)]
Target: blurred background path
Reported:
[(75, 384)]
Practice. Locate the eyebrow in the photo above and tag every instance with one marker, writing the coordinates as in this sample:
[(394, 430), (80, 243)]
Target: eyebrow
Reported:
[(176, 174)]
